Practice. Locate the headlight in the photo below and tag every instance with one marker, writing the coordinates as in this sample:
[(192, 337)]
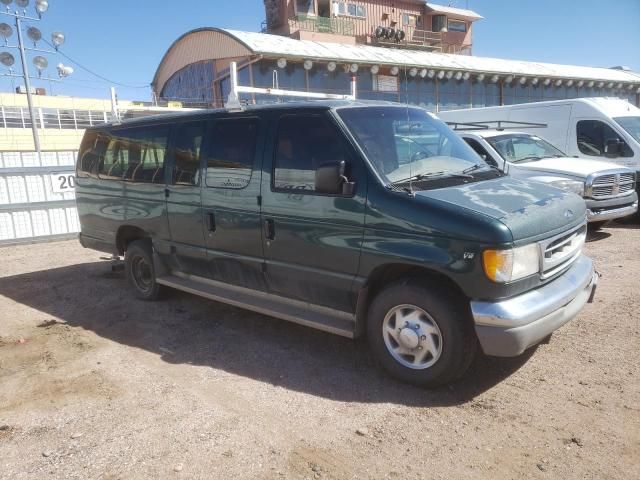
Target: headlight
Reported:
[(572, 186), (503, 266)]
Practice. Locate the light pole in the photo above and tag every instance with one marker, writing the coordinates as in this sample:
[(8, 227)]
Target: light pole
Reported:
[(40, 62)]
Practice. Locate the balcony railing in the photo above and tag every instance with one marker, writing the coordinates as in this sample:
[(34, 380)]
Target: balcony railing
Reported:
[(308, 23)]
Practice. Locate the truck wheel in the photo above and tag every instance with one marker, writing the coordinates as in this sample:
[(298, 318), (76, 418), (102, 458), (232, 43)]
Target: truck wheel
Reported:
[(421, 335), (140, 272)]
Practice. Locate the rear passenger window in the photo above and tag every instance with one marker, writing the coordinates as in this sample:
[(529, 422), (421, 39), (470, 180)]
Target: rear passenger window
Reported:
[(92, 150), (187, 143), (230, 161), (304, 143), (136, 155)]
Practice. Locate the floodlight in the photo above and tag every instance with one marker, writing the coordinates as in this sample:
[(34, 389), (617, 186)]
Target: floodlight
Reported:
[(547, 82), (580, 83), (375, 69), (423, 73), (449, 75), (600, 84), (431, 73), (5, 30), (57, 38), (331, 66), (6, 2), (630, 87), (610, 85), (465, 76), (40, 62), (534, 81), (458, 75), (34, 34), (591, 84), (569, 83), (619, 86), (495, 78), (42, 6), (523, 80), (282, 62), (22, 3), (308, 64), (7, 59), (353, 68), (509, 79), (441, 74), (394, 70), (558, 83), (64, 70), (480, 77)]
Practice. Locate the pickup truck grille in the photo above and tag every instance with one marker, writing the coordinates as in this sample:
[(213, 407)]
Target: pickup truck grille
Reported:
[(559, 252), (611, 185)]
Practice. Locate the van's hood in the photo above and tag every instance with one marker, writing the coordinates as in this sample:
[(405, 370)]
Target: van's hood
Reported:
[(530, 210), (576, 167)]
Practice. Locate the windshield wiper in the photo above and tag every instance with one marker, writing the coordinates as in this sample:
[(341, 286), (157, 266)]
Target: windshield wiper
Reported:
[(420, 176), (478, 166)]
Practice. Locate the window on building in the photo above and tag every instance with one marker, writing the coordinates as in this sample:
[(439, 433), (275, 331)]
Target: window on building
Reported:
[(409, 20), (305, 7), (187, 143), (305, 142), (230, 161), (594, 135), (438, 22), (351, 9), (456, 26)]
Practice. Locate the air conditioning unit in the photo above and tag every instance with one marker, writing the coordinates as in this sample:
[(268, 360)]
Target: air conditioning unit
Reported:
[(23, 90)]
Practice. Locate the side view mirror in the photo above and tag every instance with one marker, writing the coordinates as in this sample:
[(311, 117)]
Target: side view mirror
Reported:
[(613, 148), (330, 179)]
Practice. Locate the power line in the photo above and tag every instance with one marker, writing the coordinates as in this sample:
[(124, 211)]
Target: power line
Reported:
[(94, 73)]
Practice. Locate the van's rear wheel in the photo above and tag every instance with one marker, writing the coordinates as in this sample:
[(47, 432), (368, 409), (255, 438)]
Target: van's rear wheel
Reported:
[(140, 272), (421, 335)]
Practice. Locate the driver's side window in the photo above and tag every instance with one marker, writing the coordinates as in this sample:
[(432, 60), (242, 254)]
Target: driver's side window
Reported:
[(593, 135)]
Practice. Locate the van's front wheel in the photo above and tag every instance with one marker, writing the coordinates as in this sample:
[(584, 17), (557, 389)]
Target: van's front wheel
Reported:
[(420, 335), (140, 272)]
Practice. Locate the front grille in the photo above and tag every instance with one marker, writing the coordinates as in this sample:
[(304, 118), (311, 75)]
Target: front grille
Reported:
[(562, 250), (611, 185)]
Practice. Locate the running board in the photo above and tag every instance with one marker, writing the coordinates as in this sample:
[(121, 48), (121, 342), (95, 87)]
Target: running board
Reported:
[(307, 314)]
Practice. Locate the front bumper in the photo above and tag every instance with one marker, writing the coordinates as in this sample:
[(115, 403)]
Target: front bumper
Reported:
[(506, 328), (603, 210)]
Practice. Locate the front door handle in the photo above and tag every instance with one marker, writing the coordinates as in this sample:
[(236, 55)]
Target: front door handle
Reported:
[(211, 221), (269, 229)]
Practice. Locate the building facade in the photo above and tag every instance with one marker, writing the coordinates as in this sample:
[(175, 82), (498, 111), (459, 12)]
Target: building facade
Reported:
[(195, 70)]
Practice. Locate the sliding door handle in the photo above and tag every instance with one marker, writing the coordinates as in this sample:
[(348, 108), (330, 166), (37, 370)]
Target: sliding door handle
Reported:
[(269, 229), (211, 221)]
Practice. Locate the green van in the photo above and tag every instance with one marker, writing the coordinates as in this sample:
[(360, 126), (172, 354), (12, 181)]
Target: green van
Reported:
[(351, 217)]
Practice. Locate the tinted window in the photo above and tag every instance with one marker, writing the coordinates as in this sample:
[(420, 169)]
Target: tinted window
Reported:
[(187, 142), (479, 149), (92, 150), (304, 143), (593, 136), (135, 155), (230, 161)]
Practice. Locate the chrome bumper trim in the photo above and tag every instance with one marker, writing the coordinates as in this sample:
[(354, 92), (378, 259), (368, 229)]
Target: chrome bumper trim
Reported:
[(612, 213)]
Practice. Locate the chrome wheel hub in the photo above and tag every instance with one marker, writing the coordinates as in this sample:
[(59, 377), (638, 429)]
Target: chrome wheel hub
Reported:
[(412, 337)]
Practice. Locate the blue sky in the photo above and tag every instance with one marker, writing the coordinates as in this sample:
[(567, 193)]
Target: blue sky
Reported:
[(124, 40)]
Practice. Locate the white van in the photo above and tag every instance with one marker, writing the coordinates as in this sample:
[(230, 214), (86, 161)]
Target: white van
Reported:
[(597, 128)]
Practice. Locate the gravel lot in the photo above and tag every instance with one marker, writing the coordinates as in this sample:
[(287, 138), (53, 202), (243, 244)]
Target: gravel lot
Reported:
[(96, 384)]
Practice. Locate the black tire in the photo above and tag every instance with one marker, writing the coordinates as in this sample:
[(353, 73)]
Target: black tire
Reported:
[(448, 312), (139, 270), (595, 226)]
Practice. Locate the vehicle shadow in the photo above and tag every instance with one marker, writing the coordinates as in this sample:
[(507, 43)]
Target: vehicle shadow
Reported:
[(597, 236), (185, 329), (624, 223)]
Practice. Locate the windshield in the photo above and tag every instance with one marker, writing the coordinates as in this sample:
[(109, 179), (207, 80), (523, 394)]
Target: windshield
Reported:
[(523, 148), (631, 125), (403, 143)]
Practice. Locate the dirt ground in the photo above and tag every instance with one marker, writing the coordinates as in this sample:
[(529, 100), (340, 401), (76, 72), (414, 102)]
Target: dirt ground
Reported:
[(95, 384)]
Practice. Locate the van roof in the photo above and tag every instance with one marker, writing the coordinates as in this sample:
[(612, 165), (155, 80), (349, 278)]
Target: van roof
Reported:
[(298, 105), (492, 132)]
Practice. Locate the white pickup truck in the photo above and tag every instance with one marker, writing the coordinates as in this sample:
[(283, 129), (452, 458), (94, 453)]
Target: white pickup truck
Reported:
[(608, 189)]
